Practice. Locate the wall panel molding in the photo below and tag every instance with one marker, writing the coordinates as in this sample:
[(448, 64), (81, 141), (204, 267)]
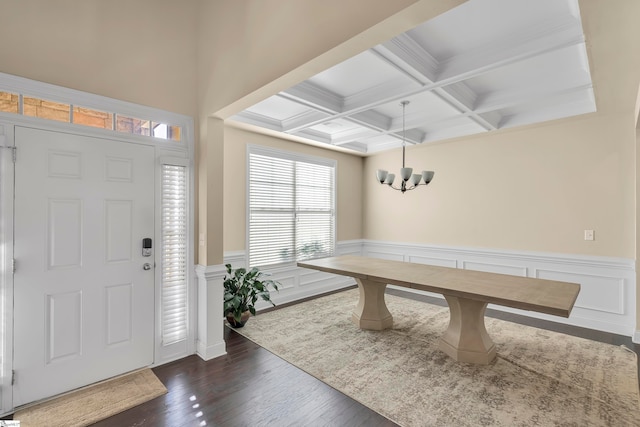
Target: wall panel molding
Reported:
[(299, 283), (608, 285)]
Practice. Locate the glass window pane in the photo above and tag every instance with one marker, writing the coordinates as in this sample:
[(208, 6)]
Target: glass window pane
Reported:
[(160, 130), (46, 109), (133, 125), (9, 102), (314, 235), (41, 108), (174, 252), (175, 133), (271, 238), (94, 118), (166, 131)]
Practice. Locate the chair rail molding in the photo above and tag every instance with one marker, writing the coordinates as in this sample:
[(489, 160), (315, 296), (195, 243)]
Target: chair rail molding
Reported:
[(210, 337)]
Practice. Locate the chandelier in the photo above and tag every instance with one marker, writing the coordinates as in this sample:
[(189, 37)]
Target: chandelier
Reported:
[(410, 181)]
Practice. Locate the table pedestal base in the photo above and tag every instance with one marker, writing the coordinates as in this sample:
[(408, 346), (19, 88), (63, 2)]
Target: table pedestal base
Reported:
[(371, 311), (466, 338)]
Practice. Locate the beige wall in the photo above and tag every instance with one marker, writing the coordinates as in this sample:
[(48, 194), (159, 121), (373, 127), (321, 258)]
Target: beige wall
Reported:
[(141, 51), (637, 231), (535, 188), (348, 177)]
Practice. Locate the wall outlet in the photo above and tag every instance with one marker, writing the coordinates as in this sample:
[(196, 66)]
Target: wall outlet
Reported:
[(589, 235), (202, 239)]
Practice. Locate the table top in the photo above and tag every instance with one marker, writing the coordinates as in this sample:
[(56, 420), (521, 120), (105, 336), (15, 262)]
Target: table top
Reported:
[(526, 293)]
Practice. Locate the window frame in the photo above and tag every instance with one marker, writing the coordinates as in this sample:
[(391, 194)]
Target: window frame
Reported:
[(296, 157)]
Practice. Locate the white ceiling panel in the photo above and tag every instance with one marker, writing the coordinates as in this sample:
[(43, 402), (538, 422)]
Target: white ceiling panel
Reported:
[(278, 108), (483, 66), (358, 74), (456, 127), (423, 107), (478, 24), (341, 131), (564, 67), (549, 108)]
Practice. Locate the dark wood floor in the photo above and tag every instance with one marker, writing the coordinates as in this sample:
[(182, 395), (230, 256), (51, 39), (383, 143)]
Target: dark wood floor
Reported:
[(247, 387), (251, 387)]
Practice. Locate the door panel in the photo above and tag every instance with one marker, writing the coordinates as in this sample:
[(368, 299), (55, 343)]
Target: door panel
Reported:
[(84, 305)]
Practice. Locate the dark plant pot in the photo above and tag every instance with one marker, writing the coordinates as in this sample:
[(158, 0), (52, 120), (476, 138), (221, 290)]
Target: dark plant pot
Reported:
[(243, 319)]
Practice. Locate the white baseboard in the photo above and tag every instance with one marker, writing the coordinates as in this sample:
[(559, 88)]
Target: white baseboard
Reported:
[(636, 337), (212, 351)]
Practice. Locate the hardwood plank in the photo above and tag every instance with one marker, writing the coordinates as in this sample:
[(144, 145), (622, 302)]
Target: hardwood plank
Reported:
[(248, 386)]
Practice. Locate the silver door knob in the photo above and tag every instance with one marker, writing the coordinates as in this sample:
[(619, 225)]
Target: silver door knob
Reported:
[(146, 266)]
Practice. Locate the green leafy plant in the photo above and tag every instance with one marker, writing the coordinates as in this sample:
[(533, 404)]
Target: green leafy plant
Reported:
[(243, 288)]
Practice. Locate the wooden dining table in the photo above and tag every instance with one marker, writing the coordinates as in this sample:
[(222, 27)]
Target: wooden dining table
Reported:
[(467, 293)]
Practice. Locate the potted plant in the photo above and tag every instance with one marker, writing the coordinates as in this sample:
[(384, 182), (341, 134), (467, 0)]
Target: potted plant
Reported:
[(242, 288)]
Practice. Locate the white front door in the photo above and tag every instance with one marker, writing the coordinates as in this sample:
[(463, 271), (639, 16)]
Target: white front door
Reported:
[(83, 300)]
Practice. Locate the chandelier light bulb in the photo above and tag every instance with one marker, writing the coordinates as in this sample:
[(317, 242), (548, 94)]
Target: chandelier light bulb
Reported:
[(382, 175)]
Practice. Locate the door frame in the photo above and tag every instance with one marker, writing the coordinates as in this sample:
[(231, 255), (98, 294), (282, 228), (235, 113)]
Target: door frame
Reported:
[(165, 152)]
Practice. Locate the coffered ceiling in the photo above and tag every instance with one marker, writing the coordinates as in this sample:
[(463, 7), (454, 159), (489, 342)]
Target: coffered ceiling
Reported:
[(482, 66)]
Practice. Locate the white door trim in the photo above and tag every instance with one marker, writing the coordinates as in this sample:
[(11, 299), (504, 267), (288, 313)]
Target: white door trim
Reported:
[(184, 150), (6, 267)]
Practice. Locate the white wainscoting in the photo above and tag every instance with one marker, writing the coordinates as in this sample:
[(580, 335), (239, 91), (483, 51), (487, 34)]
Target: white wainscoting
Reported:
[(210, 337), (298, 283), (607, 299)]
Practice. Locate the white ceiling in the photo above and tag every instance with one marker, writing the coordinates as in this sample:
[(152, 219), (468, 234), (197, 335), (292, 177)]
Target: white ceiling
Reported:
[(482, 66)]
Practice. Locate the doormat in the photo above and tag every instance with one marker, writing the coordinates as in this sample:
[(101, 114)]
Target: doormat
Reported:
[(94, 403)]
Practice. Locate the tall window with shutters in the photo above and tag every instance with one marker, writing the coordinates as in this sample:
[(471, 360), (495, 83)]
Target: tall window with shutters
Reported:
[(291, 207), (174, 254)]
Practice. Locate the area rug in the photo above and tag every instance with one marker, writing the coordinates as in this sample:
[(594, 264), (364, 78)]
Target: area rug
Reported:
[(540, 378), (92, 404)]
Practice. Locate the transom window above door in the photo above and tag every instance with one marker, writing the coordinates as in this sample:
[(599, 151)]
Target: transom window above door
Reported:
[(47, 109)]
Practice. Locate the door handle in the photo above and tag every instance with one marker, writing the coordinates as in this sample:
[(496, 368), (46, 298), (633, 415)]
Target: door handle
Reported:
[(146, 266)]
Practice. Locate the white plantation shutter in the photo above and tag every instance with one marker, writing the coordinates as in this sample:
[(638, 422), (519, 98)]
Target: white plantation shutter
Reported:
[(174, 253), (291, 209), (271, 210), (314, 210)]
